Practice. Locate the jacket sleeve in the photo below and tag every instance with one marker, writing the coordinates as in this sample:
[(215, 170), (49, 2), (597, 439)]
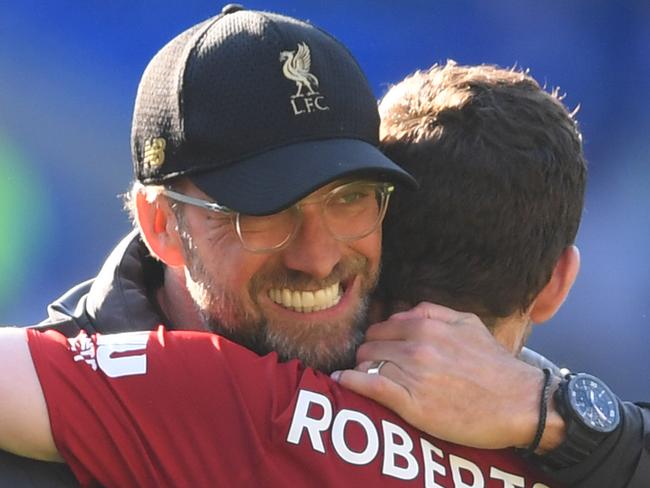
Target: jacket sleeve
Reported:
[(622, 461)]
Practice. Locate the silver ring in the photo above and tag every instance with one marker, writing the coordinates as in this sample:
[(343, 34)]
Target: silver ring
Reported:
[(376, 367)]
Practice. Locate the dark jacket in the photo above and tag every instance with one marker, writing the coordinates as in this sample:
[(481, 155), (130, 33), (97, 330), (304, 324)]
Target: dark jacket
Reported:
[(118, 300)]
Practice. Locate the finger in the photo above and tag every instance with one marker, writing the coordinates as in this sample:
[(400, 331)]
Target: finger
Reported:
[(385, 368), (415, 328), (403, 355), (388, 370), (364, 366), (377, 387), (422, 325), (427, 310)]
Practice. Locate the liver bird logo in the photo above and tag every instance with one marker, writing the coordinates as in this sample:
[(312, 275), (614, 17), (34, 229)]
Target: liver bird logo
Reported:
[(296, 68)]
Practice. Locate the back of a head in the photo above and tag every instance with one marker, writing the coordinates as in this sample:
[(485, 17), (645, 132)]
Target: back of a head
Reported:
[(502, 180)]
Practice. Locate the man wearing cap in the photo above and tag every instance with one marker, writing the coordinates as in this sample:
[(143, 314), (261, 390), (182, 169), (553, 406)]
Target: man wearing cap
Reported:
[(271, 172), (269, 164), (258, 206), (244, 119)]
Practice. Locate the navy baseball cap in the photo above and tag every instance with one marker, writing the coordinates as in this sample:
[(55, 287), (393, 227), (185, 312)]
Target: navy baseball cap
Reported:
[(258, 110)]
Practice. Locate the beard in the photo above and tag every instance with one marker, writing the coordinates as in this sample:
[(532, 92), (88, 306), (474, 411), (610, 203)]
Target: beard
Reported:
[(325, 346)]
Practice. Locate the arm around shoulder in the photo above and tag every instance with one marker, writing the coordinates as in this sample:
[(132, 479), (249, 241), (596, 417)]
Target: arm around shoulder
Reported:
[(24, 421)]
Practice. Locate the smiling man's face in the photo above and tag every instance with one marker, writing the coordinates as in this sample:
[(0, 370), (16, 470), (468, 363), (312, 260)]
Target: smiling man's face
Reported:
[(307, 301)]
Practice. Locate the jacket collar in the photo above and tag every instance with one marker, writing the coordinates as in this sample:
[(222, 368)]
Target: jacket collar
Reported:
[(119, 299)]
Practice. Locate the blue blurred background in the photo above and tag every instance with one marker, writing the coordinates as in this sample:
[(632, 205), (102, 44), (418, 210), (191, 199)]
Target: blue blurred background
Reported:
[(69, 72)]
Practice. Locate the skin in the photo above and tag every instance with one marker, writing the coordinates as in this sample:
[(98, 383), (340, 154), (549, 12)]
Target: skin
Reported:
[(447, 374), (213, 283), (424, 347), (436, 356), (230, 287), (24, 421)]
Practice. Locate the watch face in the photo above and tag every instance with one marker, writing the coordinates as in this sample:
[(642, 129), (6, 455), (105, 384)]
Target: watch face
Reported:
[(595, 404)]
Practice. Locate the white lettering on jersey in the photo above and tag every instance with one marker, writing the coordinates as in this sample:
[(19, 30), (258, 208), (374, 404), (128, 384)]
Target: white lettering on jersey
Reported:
[(338, 437), (393, 450), (85, 349), (314, 426), (431, 466), (315, 414), (117, 354), (509, 480), (459, 464)]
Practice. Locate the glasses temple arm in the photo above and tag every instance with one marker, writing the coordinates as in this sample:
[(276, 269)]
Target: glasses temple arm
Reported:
[(179, 197)]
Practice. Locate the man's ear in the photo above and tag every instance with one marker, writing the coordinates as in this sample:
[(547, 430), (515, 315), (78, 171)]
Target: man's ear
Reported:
[(159, 230), (549, 300)]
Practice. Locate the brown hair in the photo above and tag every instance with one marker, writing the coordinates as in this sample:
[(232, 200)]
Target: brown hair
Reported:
[(502, 177)]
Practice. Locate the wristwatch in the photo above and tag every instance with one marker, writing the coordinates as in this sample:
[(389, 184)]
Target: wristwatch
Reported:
[(591, 413)]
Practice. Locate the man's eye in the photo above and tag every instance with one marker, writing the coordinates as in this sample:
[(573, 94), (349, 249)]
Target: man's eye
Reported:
[(351, 197), (217, 221)]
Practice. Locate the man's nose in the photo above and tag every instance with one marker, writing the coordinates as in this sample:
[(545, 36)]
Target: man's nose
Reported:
[(313, 250)]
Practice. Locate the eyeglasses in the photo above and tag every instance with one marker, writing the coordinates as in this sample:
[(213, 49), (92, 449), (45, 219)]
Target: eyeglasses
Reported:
[(351, 211)]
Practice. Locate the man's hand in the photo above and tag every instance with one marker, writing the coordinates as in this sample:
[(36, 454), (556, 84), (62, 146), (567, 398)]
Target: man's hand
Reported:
[(446, 375)]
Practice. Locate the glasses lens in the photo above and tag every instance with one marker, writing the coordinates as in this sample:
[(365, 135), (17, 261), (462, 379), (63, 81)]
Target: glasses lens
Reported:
[(353, 211), (350, 211), (266, 232)]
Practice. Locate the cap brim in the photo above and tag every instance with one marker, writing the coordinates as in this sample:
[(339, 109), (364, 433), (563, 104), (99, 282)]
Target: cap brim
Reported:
[(275, 180)]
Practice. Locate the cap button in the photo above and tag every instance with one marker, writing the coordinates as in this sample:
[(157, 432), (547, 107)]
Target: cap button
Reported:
[(232, 8)]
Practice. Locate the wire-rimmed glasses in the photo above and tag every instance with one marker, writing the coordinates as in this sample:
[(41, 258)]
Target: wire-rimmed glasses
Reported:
[(350, 211)]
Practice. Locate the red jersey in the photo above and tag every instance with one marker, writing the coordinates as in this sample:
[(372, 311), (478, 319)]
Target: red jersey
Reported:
[(191, 409)]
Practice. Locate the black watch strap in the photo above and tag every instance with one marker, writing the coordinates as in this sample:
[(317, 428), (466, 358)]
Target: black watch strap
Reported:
[(580, 441)]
